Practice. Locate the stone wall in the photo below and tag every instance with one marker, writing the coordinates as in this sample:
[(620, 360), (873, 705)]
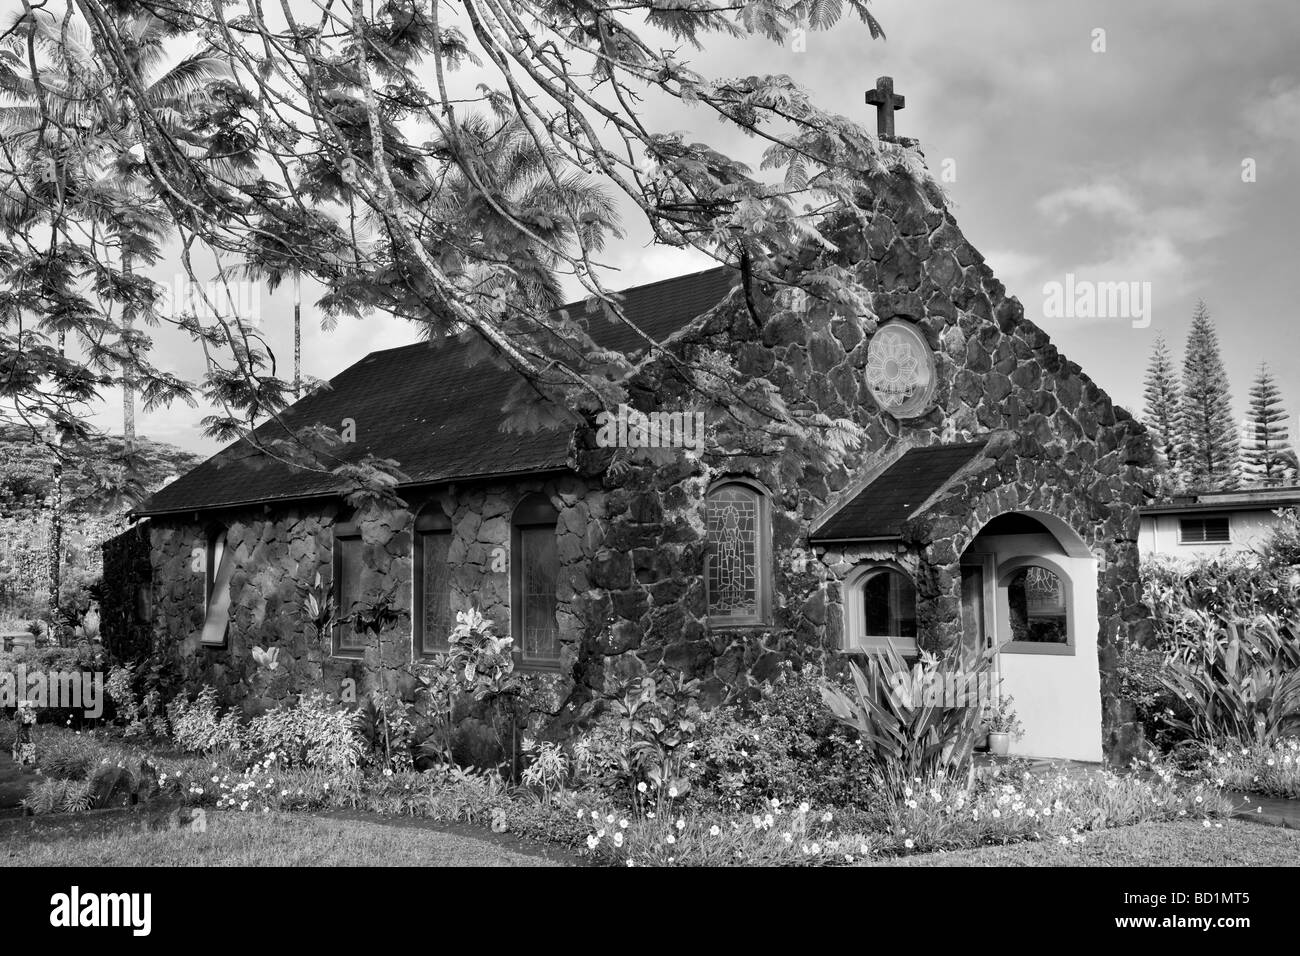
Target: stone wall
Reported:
[(279, 551), (1056, 444)]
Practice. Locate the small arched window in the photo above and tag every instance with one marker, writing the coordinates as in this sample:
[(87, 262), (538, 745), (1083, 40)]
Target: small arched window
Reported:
[(218, 567), (880, 611), (1037, 601), (534, 573), (432, 620), (739, 556)]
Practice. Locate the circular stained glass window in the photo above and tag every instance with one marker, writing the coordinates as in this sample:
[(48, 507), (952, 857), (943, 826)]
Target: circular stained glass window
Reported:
[(900, 370)]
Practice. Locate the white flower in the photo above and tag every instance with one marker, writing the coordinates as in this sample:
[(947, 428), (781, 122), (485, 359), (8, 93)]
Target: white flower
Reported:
[(640, 787), (804, 808), (715, 830), (672, 792), (670, 839), (592, 841), (618, 838), (623, 824), (908, 843)]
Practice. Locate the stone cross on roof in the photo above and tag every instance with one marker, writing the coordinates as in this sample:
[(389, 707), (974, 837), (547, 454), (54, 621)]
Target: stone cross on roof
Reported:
[(885, 102)]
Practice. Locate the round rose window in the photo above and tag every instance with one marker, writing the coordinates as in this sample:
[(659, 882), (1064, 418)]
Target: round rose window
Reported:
[(900, 370)]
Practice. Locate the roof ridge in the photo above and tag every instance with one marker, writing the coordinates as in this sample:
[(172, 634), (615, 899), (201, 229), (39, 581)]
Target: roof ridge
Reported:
[(575, 304)]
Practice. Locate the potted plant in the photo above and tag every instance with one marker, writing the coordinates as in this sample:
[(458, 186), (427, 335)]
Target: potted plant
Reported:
[(1003, 725)]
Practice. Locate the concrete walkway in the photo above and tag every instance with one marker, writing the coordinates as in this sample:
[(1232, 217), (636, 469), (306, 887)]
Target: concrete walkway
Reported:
[(1274, 811)]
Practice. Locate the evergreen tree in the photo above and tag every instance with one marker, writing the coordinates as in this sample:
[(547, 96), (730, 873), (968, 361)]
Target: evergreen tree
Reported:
[(1209, 443), (1163, 394), (1267, 456)]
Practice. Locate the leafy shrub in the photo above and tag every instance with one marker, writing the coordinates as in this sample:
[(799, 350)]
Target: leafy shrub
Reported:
[(1272, 769), (198, 727), (58, 795), (548, 768), (786, 744), (312, 733), (388, 736), (120, 688), (1238, 681), (907, 733), (1141, 672), (639, 740), (68, 755)]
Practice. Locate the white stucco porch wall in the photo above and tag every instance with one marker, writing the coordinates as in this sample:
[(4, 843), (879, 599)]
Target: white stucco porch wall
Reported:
[(1057, 696)]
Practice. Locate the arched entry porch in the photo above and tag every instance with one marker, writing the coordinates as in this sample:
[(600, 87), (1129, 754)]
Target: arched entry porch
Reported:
[(1029, 587)]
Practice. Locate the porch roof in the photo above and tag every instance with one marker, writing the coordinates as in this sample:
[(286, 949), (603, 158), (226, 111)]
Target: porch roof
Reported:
[(897, 493)]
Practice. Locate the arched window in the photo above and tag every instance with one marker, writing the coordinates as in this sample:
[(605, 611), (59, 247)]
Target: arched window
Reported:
[(432, 620), (739, 557), (218, 566), (880, 610), (534, 569), (1038, 602), (349, 640)]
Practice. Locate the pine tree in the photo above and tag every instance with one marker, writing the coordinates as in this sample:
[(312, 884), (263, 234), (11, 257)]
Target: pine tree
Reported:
[(1267, 455), (1209, 443), (1162, 394)]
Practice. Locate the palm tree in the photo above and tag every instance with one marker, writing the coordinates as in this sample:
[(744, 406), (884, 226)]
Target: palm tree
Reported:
[(512, 181)]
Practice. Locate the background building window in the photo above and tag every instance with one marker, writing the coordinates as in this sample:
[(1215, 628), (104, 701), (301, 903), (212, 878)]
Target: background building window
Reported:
[(433, 619), (1209, 530), (739, 555), (1036, 597), (535, 565), (346, 585), (219, 565)]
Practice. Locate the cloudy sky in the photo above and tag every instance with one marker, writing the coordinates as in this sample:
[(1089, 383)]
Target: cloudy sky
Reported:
[(1117, 166)]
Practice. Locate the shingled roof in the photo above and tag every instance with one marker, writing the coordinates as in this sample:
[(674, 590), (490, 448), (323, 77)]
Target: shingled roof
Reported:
[(897, 493), (426, 407)]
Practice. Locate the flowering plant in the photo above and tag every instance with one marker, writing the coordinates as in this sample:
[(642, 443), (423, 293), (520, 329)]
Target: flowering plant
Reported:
[(1001, 718)]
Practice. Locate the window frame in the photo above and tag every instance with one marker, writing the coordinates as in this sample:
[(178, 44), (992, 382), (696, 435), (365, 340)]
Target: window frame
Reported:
[(216, 534), (535, 510), (432, 521), (342, 531), (763, 572), (1203, 520), (855, 613), (1006, 570)]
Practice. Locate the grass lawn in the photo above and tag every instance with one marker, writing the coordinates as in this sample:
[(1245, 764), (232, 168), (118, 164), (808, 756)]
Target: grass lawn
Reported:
[(1146, 844), (237, 839)]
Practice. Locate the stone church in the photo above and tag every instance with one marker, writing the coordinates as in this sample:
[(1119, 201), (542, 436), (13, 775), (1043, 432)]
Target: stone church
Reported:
[(994, 499)]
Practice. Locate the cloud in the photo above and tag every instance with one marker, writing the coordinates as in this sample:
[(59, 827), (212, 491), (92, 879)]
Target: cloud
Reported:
[(1277, 116), (1099, 200)]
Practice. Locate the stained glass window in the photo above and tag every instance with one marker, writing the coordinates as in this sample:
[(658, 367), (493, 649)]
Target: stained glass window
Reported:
[(737, 554), (1036, 597), (900, 370)]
